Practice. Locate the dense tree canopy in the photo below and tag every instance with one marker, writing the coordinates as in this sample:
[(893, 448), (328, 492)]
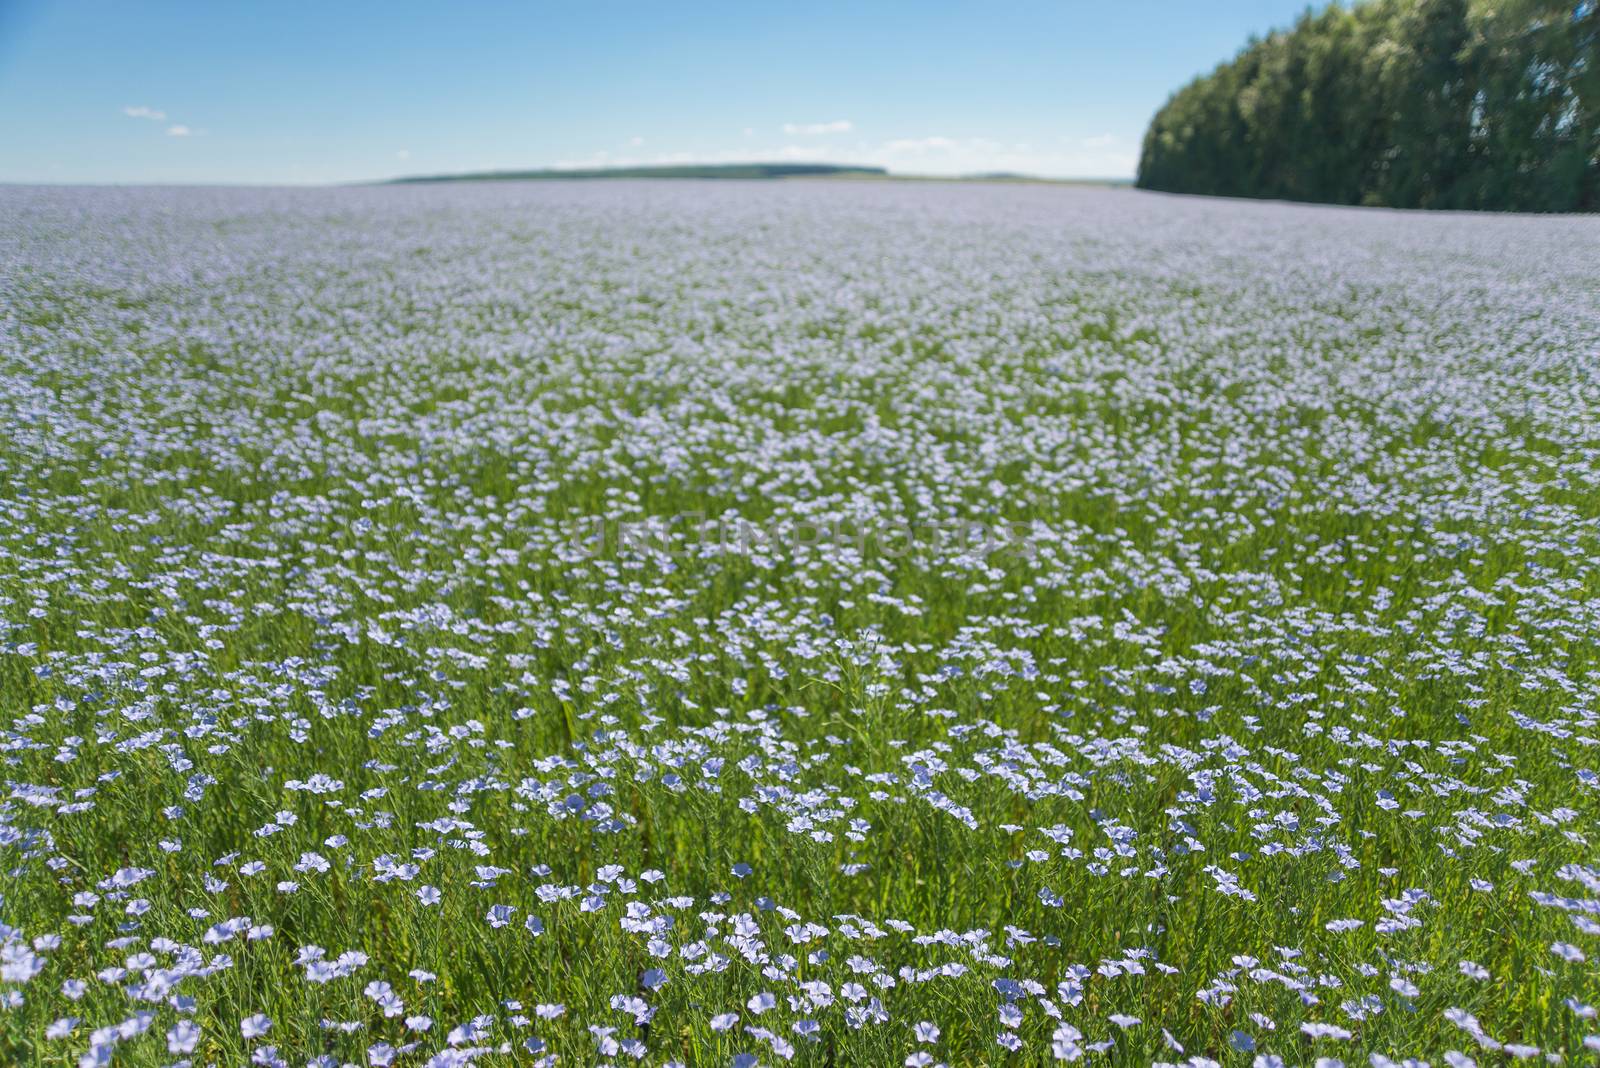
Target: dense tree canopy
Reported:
[(1408, 103)]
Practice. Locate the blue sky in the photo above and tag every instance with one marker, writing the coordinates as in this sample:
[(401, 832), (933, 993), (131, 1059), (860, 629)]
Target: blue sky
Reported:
[(290, 92)]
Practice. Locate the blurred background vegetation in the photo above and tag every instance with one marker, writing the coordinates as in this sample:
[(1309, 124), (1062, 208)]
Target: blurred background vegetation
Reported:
[(1486, 104)]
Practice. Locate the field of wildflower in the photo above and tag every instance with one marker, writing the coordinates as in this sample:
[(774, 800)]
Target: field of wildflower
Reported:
[(815, 623)]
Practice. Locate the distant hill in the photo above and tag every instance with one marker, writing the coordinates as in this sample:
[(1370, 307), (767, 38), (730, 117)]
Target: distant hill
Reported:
[(688, 170)]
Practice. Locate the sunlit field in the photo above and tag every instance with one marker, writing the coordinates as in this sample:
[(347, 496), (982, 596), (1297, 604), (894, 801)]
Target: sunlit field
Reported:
[(828, 623)]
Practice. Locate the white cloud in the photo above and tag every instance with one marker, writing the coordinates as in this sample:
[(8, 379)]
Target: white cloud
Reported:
[(177, 129), (635, 142), (814, 128), (932, 155), (917, 146), (944, 155), (598, 159), (1101, 141), (404, 153)]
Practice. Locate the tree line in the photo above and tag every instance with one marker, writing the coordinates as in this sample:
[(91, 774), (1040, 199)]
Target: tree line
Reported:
[(1404, 103)]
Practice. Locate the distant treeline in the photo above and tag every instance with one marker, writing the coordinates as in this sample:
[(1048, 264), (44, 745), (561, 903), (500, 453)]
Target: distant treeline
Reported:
[(687, 170), (1404, 103)]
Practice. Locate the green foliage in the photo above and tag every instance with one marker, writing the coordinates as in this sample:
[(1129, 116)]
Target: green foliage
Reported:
[(1402, 103)]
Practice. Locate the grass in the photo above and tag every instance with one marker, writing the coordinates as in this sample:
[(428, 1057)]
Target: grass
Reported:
[(290, 599)]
